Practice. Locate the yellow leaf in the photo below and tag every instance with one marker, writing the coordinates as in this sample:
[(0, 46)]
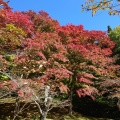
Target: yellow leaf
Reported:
[(110, 13), (93, 12)]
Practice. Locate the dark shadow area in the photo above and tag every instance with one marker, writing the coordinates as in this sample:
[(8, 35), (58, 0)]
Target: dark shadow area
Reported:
[(93, 108)]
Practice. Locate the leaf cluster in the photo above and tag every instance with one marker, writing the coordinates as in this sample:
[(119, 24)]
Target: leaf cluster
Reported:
[(111, 6)]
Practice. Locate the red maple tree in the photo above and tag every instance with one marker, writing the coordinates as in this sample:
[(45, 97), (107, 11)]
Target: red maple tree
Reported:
[(89, 58)]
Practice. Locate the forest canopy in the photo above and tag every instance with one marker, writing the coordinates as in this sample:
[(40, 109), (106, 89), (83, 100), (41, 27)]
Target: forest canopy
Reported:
[(42, 61)]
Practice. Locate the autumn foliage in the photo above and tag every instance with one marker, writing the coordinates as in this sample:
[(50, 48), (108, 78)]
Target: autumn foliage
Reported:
[(36, 51), (95, 5), (89, 55)]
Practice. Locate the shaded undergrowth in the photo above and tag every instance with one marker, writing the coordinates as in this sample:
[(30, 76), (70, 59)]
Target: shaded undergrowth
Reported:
[(7, 111)]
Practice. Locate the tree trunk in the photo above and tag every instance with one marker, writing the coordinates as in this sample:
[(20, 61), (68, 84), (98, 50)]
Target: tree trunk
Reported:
[(42, 117), (44, 112), (118, 104), (16, 111), (71, 85), (70, 107)]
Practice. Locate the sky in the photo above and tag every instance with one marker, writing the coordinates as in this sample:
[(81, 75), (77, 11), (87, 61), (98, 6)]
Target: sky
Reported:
[(68, 12)]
